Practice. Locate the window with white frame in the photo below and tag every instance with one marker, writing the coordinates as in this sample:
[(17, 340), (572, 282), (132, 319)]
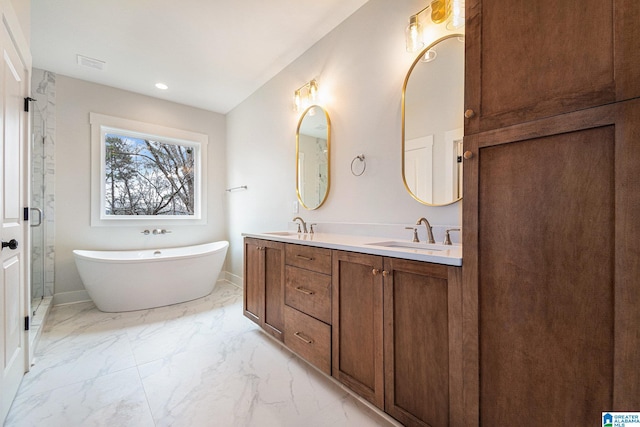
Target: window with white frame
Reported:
[(145, 172)]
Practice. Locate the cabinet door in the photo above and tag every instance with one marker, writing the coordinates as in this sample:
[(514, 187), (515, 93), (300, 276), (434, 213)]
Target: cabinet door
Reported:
[(274, 288), (551, 245), (423, 343), (357, 324), (253, 280), (529, 60), (264, 284)]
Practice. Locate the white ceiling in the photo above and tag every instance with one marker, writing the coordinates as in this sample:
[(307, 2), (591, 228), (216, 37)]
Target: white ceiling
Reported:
[(212, 54)]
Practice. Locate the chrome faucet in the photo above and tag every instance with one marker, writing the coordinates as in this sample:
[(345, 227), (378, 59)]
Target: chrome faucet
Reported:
[(430, 238), (304, 224)]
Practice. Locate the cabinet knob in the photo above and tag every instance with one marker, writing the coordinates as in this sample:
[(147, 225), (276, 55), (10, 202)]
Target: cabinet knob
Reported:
[(467, 155), (385, 273), (375, 271), (469, 113)]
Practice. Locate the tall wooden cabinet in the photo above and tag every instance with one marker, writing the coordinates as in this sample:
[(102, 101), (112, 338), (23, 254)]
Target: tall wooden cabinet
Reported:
[(551, 214)]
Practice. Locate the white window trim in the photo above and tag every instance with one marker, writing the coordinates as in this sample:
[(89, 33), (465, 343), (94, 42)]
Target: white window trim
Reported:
[(102, 124)]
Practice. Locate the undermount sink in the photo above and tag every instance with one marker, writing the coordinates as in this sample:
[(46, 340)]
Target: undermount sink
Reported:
[(412, 245), (282, 233)]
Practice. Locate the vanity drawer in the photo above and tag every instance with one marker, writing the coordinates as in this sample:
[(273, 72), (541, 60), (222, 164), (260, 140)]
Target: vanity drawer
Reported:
[(308, 257), (309, 292), (309, 338)]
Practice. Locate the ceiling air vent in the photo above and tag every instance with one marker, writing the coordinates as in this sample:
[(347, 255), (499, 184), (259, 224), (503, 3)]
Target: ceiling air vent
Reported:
[(96, 64)]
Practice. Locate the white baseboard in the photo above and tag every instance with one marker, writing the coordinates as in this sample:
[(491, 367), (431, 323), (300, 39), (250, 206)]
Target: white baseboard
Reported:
[(71, 297), (235, 280)]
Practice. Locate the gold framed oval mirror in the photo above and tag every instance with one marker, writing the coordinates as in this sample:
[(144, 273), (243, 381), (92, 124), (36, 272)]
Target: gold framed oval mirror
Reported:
[(313, 145), (433, 123)]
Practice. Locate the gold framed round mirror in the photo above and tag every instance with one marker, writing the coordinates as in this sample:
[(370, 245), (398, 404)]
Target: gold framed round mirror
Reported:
[(433, 123), (313, 149)]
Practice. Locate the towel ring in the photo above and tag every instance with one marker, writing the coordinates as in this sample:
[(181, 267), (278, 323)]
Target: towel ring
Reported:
[(364, 164)]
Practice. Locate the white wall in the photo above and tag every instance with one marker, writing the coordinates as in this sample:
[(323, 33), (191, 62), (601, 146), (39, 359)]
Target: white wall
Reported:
[(361, 67), (75, 100)]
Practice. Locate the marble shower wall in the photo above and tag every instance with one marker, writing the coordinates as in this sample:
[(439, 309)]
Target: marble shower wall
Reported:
[(43, 130)]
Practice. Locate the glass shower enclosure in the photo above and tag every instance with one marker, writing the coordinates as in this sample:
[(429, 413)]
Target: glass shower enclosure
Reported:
[(41, 206), (36, 208)]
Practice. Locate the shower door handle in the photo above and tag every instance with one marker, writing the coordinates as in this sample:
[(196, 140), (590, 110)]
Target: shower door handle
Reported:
[(40, 215)]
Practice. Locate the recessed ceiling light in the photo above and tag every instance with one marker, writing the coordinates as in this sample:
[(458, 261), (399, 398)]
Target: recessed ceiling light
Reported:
[(162, 86)]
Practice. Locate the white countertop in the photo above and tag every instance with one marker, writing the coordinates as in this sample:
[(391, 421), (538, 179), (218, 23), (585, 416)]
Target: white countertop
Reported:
[(439, 254)]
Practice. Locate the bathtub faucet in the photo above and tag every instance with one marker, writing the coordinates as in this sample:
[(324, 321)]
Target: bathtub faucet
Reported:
[(161, 231)]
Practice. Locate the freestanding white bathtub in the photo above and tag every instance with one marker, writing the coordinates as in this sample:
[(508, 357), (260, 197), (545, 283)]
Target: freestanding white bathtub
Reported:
[(136, 280)]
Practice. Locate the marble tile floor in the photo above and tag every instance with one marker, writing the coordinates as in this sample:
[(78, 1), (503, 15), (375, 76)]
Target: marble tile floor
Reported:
[(200, 363)]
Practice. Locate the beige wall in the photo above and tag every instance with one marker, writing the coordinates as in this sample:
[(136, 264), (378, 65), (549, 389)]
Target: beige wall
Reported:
[(75, 99), (361, 67)]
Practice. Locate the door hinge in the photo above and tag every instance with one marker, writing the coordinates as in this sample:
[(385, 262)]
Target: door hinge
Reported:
[(25, 214), (26, 323)]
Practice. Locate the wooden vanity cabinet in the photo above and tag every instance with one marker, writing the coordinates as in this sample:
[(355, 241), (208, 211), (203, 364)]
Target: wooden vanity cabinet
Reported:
[(264, 284), (526, 61), (389, 329)]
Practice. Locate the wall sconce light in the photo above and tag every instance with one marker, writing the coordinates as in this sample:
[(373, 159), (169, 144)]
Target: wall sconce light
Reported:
[(441, 11), (413, 34), (305, 95)]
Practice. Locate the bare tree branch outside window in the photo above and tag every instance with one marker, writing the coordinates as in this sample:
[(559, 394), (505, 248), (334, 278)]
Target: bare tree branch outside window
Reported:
[(146, 177)]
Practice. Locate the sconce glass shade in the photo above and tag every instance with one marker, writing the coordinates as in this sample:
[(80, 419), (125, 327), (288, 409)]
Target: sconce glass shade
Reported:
[(297, 101), (413, 35), (456, 18), (440, 11), (313, 90)]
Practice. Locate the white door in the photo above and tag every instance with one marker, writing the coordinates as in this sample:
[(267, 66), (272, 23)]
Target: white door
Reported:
[(418, 167), (12, 274)]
